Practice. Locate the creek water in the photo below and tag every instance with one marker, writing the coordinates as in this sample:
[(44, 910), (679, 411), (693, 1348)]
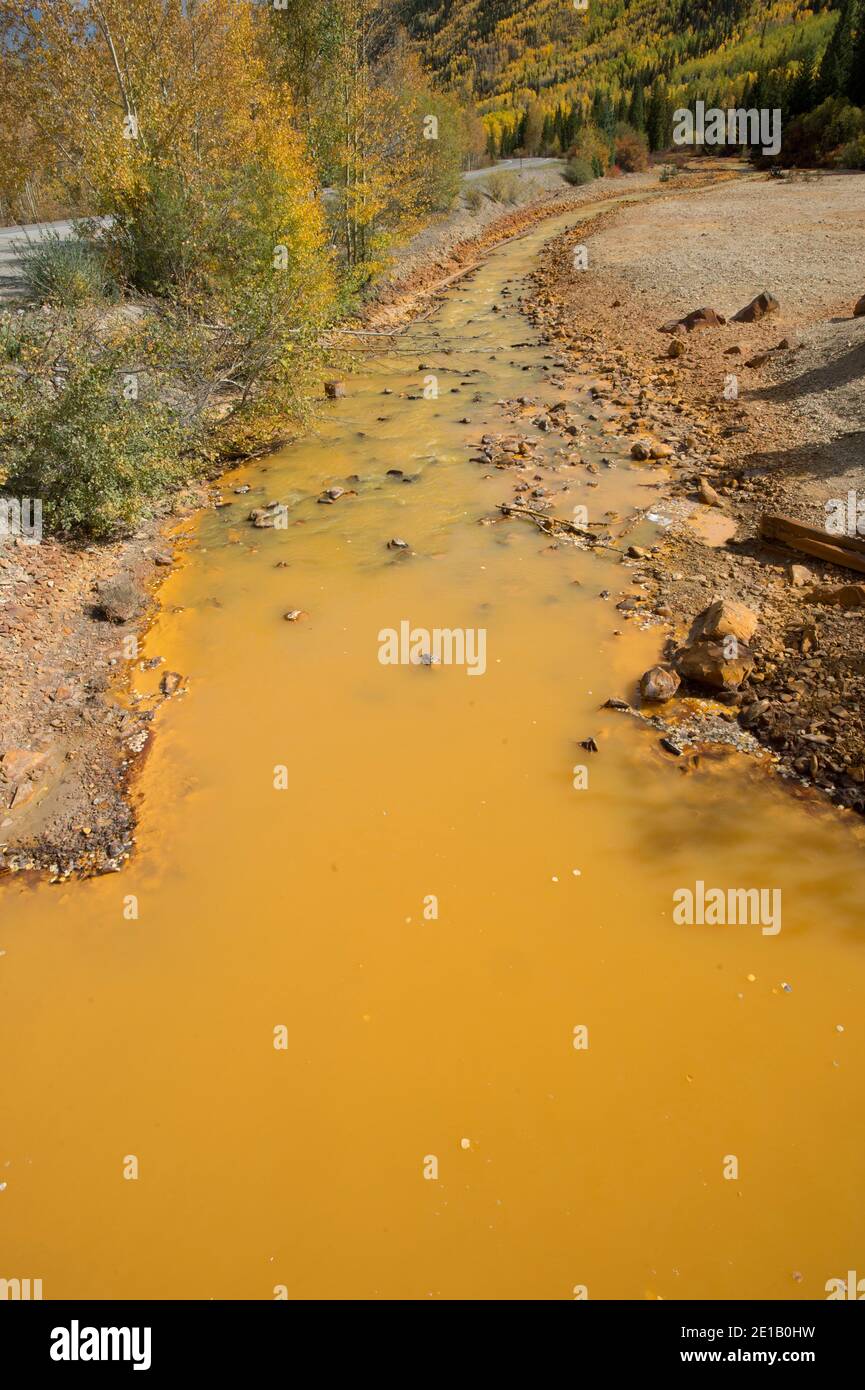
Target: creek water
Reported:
[(411, 1037)]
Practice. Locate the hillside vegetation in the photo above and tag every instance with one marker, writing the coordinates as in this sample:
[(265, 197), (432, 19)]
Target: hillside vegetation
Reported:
[(537, 72)]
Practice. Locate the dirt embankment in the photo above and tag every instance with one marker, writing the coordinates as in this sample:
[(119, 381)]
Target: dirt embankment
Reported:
[(754, 417)]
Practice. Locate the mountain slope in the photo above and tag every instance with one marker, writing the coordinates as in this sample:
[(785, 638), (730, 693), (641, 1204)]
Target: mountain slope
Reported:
[(506, 54)]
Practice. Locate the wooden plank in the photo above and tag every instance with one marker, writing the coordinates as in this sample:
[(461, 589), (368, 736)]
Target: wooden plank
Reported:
[(846, 551), (779, 527)]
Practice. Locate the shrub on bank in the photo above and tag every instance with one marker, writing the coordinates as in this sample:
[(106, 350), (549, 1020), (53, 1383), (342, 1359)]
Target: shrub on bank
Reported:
[(631, 150), (64, 272), (503, 186), (852, 155), (73, 434), (593, 147), (578, 171), (474, 197)]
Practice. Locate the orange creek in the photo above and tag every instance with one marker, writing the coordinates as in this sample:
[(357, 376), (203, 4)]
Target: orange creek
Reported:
[(384, 1006)]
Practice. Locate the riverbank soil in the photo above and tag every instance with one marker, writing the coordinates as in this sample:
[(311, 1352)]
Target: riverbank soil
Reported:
[(70, 621), (753, 417)]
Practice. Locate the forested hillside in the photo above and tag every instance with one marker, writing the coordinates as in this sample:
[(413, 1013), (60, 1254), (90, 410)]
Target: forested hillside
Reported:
[(634, 59)]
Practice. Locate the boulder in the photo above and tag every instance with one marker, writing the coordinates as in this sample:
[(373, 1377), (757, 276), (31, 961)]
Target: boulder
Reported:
[(800, 575), (840, 596), (659, 684), (759, 307), (334, 390), (708, 495), (676, 348), (698, 318), (859, 308), (270, 516), (118, 601), (726, 617), (18, 763), (705, 663)]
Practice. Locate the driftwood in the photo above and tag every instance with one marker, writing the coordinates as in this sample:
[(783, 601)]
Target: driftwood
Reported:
[(545, 521), (846, 551)]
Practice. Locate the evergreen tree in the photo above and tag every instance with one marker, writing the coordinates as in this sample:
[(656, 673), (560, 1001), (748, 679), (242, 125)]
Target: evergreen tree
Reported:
[(637, 109), (856, 81), (607, 123), (800, 97), (837, 65), (658, 118)]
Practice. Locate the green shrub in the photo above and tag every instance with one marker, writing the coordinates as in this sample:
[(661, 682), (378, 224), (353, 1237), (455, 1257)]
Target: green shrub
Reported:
[(819, 137), (64, 272), (594, 147), (503, 186), (669, 172), (852, 155), (96, 460), (473, 196), (578, 171)]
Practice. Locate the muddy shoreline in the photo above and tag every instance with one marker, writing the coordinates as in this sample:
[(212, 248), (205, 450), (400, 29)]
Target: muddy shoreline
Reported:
[(786, 440)]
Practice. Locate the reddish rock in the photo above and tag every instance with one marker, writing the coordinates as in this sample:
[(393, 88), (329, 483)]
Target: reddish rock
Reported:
[(698, 318), (726, 617), (18, 763), (706, 663), (840, 596), (708, 495), (659, 684), (759, 308)]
